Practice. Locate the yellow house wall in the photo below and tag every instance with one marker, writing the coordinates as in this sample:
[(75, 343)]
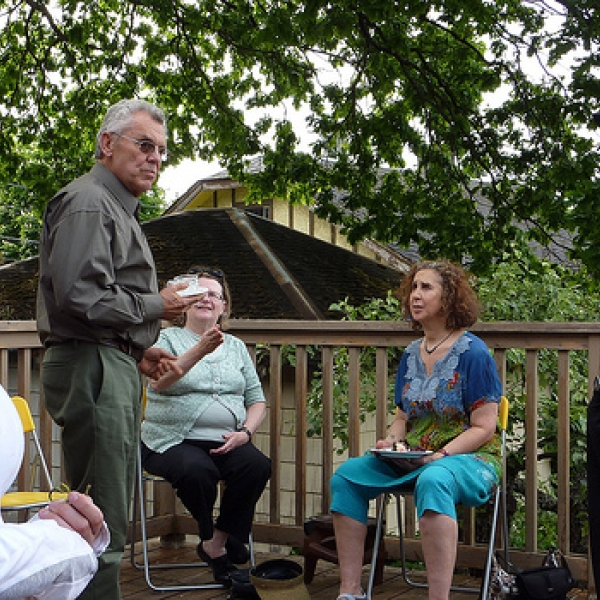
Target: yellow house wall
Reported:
[(224, 198), (281, 213), (322, 229), (299, 220)]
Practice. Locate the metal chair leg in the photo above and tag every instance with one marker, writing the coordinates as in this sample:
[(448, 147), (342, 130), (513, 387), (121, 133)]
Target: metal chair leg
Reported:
[(403, 560), (378, 535), (139, 497)]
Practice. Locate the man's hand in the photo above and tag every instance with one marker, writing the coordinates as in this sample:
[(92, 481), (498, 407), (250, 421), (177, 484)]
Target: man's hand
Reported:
[(78, 513), (156, 362), (174, 304)]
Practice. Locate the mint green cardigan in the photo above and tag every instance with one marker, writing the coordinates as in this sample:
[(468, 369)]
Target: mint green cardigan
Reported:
[(226, 375)]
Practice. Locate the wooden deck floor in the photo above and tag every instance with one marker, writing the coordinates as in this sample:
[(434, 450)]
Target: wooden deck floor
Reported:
[(323, 587)]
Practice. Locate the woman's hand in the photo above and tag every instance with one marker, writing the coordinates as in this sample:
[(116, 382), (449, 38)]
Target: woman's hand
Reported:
[(255, 415), (210, 341), (233, 439), (396, 434), (388, 444)]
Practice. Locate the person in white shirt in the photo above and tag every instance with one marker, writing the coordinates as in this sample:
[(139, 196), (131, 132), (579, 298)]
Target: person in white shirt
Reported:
[(54, 555)]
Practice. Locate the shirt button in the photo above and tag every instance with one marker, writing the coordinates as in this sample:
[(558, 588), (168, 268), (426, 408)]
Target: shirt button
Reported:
[(217, 379)]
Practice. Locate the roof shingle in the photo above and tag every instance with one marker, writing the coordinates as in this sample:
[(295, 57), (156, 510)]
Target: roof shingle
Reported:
[(273, 271)]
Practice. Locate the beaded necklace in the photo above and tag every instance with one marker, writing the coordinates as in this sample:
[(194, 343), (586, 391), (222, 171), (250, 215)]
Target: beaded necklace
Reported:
[(432, 350)]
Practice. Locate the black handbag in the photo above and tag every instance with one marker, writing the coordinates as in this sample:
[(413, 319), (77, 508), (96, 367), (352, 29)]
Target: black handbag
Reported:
[(551, 581)]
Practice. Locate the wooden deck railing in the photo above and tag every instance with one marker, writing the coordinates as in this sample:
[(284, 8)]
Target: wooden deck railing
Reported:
[(282, 521)]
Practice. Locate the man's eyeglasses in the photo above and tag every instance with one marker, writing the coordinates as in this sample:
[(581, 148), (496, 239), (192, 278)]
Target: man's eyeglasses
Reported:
[(147, 147), (215, 273)]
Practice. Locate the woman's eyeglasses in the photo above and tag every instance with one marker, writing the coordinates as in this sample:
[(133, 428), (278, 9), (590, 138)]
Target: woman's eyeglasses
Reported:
[(214, 295), (216, 273)]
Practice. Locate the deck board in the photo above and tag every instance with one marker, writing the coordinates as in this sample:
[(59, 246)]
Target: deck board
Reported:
[(323, 587)]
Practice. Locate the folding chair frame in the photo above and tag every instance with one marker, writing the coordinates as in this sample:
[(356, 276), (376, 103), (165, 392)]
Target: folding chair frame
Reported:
[(139, 497), (500, 502)]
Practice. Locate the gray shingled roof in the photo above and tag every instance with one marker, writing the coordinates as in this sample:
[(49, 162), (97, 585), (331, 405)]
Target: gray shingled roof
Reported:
[(274, 272)]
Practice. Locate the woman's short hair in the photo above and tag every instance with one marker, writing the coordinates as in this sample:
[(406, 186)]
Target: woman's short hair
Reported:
[(458, 297), (119, 116)]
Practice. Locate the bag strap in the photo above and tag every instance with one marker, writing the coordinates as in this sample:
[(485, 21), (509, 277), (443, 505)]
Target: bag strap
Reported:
[(507, 566), (555, 558)]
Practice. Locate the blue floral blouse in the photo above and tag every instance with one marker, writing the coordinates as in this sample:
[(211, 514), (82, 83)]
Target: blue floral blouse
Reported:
[(439, 406)]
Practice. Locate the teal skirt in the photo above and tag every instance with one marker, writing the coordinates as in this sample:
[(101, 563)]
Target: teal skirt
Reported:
[(438, 486)]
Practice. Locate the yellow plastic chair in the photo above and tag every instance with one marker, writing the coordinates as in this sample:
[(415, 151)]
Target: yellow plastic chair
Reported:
[(29, 500), (499, 500)]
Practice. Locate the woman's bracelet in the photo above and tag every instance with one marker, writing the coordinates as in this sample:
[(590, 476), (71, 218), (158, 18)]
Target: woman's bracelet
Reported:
[(444, 452), (247, 432)]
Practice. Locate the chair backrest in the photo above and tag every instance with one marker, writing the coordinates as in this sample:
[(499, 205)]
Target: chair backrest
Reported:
[(22, 407), (503, 411), (24, 413), (144, 402)]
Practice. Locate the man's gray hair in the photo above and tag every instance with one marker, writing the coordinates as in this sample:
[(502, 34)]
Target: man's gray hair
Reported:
[(119, 116)]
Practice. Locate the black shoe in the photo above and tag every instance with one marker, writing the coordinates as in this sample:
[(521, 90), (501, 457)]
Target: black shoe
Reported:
[(221, 566), (241, 588), (237, 551)]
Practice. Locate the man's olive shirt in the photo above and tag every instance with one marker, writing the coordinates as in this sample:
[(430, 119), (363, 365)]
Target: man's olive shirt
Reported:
[(97, 274)]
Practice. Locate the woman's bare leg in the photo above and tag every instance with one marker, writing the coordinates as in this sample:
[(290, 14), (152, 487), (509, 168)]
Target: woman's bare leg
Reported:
[(439, 538), (350, 543), (215, 547)]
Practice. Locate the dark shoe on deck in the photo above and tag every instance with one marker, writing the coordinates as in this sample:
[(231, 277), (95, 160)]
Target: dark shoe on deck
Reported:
[(237, 551), (221, 566)]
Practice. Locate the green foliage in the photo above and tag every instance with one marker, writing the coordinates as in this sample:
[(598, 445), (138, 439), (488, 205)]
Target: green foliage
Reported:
[(442, 92), (515, 290), (530, 290), (540, 291), (547, 526), (377, 309)]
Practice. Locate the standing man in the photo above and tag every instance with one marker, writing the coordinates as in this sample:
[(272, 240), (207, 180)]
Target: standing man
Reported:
[(99, 311)]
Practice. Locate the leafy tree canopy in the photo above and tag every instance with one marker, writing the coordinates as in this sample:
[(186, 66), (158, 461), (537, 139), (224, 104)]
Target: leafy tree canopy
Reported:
[(420, 112)]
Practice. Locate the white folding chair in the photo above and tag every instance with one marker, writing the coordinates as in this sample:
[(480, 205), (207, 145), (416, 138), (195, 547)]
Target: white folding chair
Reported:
[(499, 503)]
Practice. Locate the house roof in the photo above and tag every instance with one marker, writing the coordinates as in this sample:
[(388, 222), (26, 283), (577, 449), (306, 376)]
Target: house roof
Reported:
[(273, 271), (222, 180), (557, 249)]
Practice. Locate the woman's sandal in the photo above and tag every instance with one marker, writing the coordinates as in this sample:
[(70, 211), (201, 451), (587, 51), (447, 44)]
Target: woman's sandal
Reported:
[(347, 596), (221, 566)]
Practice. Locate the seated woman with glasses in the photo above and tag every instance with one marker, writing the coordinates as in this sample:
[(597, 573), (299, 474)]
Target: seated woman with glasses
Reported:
[(199, 424)]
